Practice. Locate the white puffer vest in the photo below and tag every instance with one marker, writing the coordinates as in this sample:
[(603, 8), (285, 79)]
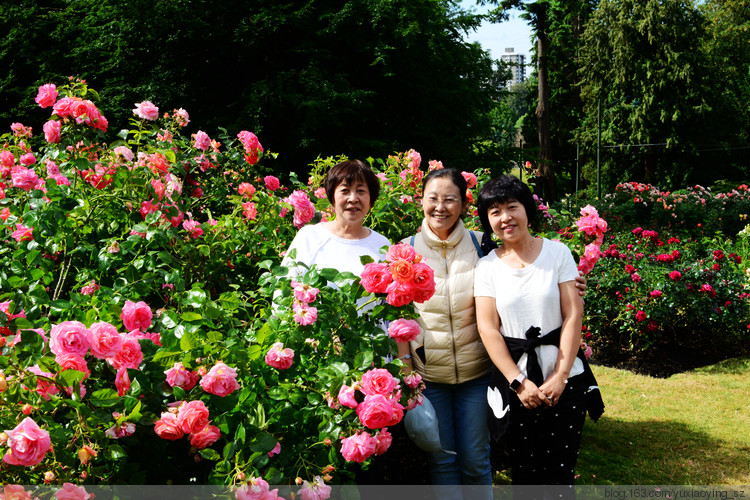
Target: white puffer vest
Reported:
[(453, 350)]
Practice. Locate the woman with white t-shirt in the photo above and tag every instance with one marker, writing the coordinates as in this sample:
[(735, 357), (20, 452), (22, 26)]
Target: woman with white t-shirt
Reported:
[(352, 188), (529, 318)]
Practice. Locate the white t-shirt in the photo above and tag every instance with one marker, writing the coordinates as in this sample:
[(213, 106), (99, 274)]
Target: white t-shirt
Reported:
[(316, 245), (529, 297)]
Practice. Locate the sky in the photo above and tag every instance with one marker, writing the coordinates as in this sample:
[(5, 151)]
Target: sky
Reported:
[(495, 38)]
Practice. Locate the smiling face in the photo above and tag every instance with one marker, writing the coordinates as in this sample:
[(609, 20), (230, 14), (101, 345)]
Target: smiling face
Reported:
[(351, 202), (442, 206), (509, 220)]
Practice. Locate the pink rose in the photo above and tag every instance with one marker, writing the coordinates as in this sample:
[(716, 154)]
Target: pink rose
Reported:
[(89, 289), (192, 416), (305, 315), (124, 153), (384, 440), (70, 491), (27, 444), (192, 227), (378, 411), (403, 330), (413, 380), (304, 293), (359, 447), (69, 337), (471, 179), (146, 110), (15, 492), (119, 431), (47, 95), (401, 251), (272, 183), (24, 178), (122, 381), (378, 381), (376, 277), (400, 294), (182, 118), (279, 357), (23, 233), (52, 131), (129, 355), (221, 380), (320, 193), (104, 340), (167, 427), (201, 140), (44, 388), (27, 159), (249, 211), (347, 396), (136, 316), (73, 362), (179, 376), (317, 490), (205, 437), (256, 489), (246, 189), (424, 282)]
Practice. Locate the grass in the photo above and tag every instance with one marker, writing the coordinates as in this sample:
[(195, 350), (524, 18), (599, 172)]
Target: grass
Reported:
[(690, 429)]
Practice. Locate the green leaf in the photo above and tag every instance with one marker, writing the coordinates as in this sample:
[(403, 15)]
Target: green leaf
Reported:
[(195, 298), (59, 305), (104, 398), (191, 316), (210, 454)]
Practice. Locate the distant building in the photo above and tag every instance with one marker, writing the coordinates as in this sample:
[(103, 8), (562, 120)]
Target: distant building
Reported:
[(517, 66)]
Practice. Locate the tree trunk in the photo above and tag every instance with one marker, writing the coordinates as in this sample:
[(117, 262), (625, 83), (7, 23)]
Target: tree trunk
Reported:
[(546, 168)]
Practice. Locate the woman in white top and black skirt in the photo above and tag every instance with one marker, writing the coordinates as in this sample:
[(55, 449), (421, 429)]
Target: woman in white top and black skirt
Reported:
[(529, 317)]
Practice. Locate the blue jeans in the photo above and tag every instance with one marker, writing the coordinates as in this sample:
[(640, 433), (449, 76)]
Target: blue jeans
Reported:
[(462, 419)]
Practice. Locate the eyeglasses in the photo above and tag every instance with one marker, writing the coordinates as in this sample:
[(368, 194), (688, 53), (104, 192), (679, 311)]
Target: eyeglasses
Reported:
[(447, 202)]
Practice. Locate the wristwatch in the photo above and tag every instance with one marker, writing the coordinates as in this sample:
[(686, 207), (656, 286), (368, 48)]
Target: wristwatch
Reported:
[(515, 384)]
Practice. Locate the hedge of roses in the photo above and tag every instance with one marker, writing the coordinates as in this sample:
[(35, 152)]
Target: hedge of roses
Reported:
[(148, 332)]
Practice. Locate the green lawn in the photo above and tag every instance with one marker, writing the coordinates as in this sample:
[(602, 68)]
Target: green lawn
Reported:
[(690, 429)]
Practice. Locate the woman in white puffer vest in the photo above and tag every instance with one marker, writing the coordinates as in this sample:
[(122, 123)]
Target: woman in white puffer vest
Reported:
[(449, 354)]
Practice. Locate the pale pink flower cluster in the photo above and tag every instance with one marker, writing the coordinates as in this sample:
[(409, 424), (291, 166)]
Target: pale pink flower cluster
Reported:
[(256, 489), (304, 295), (280, 357), (123, 429), (146, 110), (82, 111), (20, 130), (435, 165), (252, 146), (304, 210), (89, 289), (193, 228), (317, 490), (360, 446), (27, 444), (403, 277), (191, 419), (592, 225)]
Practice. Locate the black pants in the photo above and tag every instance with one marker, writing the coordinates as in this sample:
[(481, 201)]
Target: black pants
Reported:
[(543, 443)]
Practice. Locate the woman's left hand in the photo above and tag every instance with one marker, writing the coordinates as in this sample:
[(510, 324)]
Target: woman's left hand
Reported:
[(553, 388), (581, 284)]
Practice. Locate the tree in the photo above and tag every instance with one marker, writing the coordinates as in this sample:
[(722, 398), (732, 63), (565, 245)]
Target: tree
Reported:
[(642, 62)]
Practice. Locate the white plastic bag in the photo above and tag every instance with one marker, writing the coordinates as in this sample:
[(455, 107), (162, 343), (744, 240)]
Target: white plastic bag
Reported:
[(422, 427)]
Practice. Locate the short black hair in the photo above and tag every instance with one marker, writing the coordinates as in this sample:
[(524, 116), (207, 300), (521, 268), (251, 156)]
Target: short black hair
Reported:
[(451, 173), (351, 171), (502, 190)]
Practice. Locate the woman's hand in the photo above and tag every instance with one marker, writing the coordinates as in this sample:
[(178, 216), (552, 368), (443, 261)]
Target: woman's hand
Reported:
[(581, 284), (531, 396), (553, 387)]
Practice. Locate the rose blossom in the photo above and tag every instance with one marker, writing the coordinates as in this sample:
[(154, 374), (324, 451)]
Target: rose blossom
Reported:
[(89, 289), (167, 427), (403, 330), (201, 140), (205, 437), (69, 337), (47, 95), (378, 411), (376, 277), (305, 315), (122, 381), (24, 178), (27, 444), (52, 131), (104, 340), (23, 233), (272, 183), (317, 490), (246, 189), (70, 491), (221, 380), (136, 316), (384, 440), (304, 293), (44, 388), (129, 355), (347, 396), (276, 450), (359, 447), (179, 376), (401, 251), (400, 294), (119, 431), (192, 416), (471, 179), (146, 110), (15, 492), (378, 381), (424, 282), (192, 227), (402, 270), (279, 357), (256, 489)]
